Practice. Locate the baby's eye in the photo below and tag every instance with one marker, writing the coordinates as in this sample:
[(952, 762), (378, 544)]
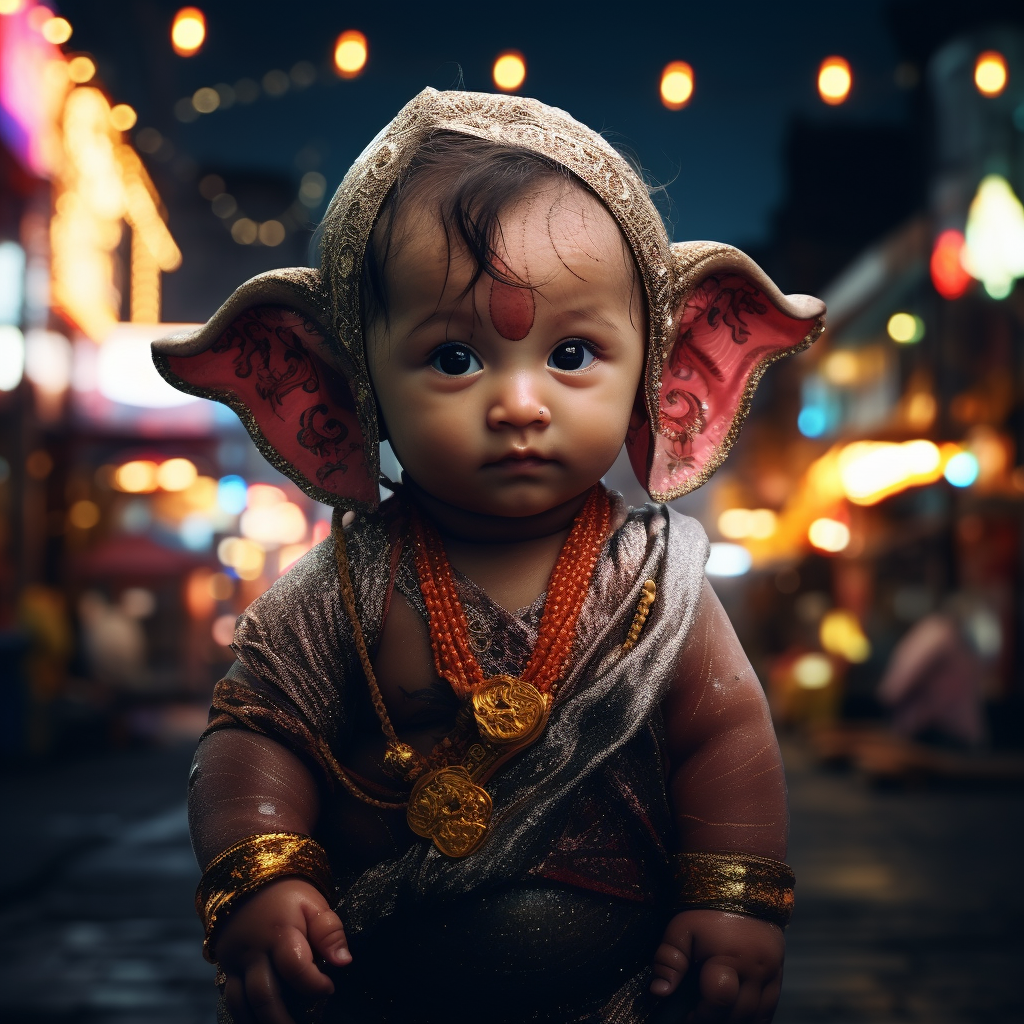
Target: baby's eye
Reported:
[(573, 354), (455, 361)]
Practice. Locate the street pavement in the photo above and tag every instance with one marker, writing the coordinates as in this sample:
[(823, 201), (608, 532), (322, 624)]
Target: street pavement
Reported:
[(908, 905)]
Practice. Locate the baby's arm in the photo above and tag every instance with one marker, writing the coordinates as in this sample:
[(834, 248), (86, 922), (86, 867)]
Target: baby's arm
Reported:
[(244, 784), (728, 792)]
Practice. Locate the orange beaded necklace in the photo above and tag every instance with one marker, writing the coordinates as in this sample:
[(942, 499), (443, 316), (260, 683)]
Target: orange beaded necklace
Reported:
[(448, 803)]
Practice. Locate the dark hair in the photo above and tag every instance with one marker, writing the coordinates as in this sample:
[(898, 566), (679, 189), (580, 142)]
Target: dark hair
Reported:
[(469, 182)]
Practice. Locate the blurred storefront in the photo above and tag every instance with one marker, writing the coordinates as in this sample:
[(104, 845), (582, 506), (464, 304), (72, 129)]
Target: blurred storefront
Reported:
[(135, 522), (882, 528)]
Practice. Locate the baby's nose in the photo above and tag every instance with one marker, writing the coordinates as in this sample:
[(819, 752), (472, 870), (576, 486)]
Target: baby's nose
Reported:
[(518, 403)]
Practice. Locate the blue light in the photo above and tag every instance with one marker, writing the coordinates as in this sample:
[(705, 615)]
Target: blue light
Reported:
[(962, 469), (196, 532), (812, 421), (232, 495), (728, 560)]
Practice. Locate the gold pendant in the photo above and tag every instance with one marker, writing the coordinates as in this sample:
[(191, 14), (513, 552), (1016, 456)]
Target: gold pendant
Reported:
[(510, 711), (452, 810)]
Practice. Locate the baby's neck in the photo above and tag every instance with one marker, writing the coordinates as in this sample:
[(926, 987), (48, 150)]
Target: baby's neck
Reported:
[(464, 526)]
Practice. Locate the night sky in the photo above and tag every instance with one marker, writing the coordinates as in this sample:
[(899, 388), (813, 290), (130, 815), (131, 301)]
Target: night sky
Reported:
[(755, 67)]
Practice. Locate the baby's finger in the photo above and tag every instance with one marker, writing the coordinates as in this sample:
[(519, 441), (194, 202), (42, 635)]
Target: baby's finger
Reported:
[(327, 936), (719, 990), (670, 966), (769, 1000), (234, 998), (263, 994), (293, 960)]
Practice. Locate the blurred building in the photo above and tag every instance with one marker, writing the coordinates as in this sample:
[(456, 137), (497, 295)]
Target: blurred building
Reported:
[(896, 495), (135, 521)]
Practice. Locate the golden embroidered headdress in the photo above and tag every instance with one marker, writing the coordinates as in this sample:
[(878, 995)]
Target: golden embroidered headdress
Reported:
[(286, 350)]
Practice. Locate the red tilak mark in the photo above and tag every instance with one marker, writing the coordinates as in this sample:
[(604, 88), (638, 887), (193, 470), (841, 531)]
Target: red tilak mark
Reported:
[(512, 310)]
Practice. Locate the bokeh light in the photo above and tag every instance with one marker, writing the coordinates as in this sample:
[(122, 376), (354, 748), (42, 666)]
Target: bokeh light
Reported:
[(990, 73), (81, 69), (176, 474), (223, 630), (728, 560), (123, 117), (11, 6), (905, 328), (232, 495), (84, 514), (840, 633), (962, 469), (829, 535), (949, 277), (812, 671), (676, 84), (188, 31), (136, 477), (509, 71), (834, 80), (350, 53), (56, 31)]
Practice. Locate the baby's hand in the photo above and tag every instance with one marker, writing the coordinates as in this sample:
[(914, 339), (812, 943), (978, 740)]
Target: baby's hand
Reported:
[(270, 941), (739, 959)]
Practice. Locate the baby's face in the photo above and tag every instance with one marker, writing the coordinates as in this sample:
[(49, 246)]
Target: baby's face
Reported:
[(509, 401)]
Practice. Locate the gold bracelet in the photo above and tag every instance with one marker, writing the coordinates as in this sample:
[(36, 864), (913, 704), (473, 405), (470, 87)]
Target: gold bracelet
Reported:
[(252, 863), (738, 882)]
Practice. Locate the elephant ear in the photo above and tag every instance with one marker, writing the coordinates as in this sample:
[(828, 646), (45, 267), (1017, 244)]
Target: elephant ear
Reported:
[(729, 324), (268, 353)]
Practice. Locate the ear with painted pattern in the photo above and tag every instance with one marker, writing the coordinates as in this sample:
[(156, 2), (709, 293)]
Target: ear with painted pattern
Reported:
[(729, 324), (269, 355)]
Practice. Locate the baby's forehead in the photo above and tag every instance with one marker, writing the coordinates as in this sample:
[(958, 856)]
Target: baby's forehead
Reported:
[(558, 227)]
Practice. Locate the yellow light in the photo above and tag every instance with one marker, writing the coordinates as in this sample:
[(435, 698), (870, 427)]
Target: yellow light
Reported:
[(284, 523), (188, 31), (176, 474), (123, 117), (263, 496), (740, 523), (11, 6), (56, 30), (220, 586), (246, 557), (840, 633), (202, 494), (873, 470), (812, 671), (734, 523), (829, 535), (244, 231), (271, 232), (81, 69), (921, 410), (138, 477), (509, 71), (206, 100), (834, 80), (350, 53), (841, 368), (84, 515), (763, 523), (676, 84), (905, 328), (990, 73)]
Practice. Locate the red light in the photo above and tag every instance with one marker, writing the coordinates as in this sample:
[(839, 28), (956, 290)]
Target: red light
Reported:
[(948, 274)]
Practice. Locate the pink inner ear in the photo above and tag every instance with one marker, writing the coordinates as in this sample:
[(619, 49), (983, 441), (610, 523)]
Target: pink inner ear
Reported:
[(266, 360), (726, 329)]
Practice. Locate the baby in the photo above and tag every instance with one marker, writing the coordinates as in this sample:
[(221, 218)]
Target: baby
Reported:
[(493, 749)]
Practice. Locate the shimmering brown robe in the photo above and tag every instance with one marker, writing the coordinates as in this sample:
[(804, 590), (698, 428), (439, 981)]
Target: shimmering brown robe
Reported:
[(561, 908)]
